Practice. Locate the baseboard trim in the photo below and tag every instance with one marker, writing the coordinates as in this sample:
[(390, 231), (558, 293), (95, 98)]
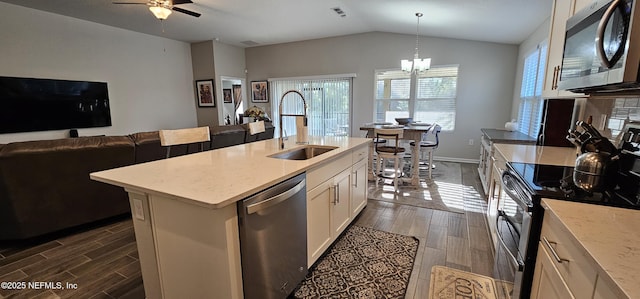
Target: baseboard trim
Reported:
[(458, 160)]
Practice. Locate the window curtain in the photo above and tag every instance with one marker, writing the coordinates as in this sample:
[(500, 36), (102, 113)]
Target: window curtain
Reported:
[(328, 104)]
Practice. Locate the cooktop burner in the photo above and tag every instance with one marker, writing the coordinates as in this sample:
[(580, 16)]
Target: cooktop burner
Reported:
[(552, 181)]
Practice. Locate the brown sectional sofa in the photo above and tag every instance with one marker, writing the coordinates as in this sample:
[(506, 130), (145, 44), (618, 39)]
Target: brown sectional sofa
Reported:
[(45, 185)]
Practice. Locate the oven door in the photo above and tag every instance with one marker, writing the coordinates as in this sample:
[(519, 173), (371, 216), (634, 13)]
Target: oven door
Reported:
[(512, 228)]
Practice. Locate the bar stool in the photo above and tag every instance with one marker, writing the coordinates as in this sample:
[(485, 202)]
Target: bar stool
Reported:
[(373, 157), (393, 153), (428, 146), (187, 136)]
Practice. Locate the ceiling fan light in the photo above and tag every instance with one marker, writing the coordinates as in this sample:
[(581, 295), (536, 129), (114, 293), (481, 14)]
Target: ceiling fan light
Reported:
[(160, 12)]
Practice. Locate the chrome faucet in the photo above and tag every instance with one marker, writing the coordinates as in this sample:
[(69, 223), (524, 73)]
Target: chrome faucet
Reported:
[(281, 115)]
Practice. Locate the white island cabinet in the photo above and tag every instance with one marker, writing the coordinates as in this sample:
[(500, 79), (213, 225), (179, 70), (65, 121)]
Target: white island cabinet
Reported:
[(185, 214), (587, 251)]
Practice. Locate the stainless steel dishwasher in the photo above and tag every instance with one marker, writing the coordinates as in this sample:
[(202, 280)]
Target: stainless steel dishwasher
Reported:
[(273, 239)]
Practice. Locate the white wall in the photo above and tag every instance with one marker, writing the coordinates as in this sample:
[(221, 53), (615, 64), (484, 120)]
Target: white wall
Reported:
[(149, 78), (485, 84)]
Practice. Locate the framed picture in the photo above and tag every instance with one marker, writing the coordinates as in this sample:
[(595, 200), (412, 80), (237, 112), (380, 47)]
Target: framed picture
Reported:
[(226, 95), (259, 93), (206, 93)]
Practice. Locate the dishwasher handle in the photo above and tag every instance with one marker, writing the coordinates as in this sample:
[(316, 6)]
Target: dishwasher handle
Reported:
[(274, 200)]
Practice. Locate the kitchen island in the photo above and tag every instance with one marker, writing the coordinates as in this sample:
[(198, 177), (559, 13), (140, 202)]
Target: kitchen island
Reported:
[(185, 215), (605, 239)]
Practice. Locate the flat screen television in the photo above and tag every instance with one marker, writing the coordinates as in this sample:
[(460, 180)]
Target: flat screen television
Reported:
[(28, 104)]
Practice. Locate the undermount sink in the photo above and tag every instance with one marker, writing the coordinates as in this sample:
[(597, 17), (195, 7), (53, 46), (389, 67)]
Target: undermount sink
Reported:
[(304, 153)]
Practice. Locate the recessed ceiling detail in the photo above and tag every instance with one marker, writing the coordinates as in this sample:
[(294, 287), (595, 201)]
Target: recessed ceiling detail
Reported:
[(339, 11), (250, 43)]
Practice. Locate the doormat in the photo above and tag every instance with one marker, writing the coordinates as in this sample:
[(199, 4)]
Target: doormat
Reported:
[(452, 283), (363, 263)]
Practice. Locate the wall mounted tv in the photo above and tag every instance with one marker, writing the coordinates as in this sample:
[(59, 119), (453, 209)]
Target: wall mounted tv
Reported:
[(28, 105)]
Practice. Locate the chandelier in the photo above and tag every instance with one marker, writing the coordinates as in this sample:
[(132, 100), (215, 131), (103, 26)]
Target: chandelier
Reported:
[(417, 64)]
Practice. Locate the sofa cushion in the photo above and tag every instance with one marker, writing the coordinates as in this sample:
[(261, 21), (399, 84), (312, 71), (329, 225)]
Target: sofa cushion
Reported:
[(223, 136), (45, 185)]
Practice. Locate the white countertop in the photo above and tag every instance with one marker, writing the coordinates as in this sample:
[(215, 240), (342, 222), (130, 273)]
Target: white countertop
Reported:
[(217, 178), (611, 236), (548, 155)]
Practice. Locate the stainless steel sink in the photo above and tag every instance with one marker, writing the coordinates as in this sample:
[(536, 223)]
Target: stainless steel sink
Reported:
[(304, 153)]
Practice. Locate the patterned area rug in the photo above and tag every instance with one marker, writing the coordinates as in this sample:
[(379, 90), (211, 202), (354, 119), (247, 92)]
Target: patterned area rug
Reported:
[(363, 263), (449, 283)]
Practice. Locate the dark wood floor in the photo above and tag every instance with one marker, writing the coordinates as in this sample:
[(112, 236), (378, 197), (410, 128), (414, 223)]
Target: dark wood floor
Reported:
[(103, 263)]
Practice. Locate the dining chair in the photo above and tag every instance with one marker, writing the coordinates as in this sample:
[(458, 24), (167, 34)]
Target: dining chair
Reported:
[(187, 136), (428, 145), (373, 157), (394, 153)]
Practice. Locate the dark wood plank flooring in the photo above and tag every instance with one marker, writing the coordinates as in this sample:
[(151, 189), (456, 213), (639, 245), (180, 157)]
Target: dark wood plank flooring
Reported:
[(102, 261)]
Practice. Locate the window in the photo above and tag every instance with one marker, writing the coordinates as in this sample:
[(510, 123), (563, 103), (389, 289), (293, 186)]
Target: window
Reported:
[(530, 112), (328, 104), (435, 96)]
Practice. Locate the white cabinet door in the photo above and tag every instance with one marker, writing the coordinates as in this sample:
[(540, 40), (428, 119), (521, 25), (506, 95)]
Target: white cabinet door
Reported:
[(319, 231), (562, 10), (359, 188), (340, 211), (604, 291), (547, 282)]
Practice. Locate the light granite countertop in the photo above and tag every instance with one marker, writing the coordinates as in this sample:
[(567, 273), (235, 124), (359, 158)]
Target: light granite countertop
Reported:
[(548, 155), (217, 178), (611, 236)]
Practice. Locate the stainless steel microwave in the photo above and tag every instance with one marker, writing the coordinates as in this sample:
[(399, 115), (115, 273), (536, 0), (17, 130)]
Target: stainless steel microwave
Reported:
[(602, 48)]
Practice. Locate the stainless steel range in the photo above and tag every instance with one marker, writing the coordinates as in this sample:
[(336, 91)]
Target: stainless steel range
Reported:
[(520, 213)]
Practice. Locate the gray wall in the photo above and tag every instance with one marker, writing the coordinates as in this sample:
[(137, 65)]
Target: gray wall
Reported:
[(485, 84), (149, 78), (212, 60)]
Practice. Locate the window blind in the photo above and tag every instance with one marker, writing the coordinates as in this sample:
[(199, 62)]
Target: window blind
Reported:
[(328, 104), (436, 93), (531, 103), (435, 100)]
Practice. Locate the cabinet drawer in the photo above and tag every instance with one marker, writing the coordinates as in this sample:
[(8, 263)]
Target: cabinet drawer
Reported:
[(360, 153), (327, 170), (576, 268)]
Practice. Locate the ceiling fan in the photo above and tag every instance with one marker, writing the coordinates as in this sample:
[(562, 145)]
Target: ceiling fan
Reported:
[(161, 9)]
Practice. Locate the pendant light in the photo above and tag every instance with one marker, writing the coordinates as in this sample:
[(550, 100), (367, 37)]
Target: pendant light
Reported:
[(417, 65)]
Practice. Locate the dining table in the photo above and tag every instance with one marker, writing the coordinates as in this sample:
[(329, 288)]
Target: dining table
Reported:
[(412, 132)]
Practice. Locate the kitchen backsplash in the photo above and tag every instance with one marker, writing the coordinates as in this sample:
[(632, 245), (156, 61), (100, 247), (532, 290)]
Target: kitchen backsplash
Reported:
[(610, 115)]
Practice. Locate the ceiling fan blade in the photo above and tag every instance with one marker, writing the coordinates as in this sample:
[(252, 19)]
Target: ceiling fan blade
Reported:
[(176, 2), (184, 11)]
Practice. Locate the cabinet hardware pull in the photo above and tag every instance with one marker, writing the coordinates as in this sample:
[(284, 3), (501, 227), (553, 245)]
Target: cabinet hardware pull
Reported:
[(355, 184), (553, 251), (338, 193), (335, 194)]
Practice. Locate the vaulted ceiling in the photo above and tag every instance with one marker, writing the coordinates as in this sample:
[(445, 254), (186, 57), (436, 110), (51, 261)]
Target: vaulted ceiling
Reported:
[(247, 23)]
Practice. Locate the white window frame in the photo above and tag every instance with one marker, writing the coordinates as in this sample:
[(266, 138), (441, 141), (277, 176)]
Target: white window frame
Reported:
[(531, 101), (389, 104)]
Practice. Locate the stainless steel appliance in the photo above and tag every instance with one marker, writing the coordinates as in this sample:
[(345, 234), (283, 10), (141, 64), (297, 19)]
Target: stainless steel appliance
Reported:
[(513, 226), (602, 48), (273, 239), (530, 183)]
